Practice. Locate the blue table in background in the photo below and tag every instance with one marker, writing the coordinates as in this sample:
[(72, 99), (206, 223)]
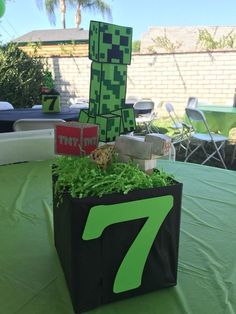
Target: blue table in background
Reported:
[(8, 117)]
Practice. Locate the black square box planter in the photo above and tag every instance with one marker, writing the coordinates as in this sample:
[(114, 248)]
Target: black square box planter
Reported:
[(95, 236)]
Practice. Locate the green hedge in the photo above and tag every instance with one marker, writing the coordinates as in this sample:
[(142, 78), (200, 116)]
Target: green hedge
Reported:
[(21, 76)]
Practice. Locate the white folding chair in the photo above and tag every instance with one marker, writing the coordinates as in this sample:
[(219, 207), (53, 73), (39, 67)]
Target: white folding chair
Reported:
[(177, 124), (201, 139), (26, 146), (171, 155), (181, 129), (233, 155), (77, 100), (234, 102), (144, 111), (192, 102), (131, 100), (37, 107), (80, 105), (5, 105), (35, 124)]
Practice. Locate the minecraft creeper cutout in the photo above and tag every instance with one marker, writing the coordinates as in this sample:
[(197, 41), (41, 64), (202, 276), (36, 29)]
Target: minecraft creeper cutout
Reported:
[(110, 48)]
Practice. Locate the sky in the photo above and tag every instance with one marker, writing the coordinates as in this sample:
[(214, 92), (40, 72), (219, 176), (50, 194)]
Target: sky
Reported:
[(23, 16)]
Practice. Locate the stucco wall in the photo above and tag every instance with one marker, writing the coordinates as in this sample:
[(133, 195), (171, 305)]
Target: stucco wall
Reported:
[(162, 77)]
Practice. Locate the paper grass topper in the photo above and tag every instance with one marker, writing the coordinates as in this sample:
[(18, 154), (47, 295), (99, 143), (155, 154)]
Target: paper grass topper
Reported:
[(110, 49)]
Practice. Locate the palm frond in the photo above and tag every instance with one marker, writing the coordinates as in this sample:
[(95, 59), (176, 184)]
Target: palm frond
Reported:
[(39, 4), (97, 6), (50, 6)]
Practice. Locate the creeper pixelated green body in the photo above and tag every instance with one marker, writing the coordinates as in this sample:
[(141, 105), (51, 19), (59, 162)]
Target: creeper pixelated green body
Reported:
[(110, 50)]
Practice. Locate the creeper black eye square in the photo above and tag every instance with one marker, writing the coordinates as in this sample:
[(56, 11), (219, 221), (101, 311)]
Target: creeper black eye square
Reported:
[(124, 41), (107, 38)]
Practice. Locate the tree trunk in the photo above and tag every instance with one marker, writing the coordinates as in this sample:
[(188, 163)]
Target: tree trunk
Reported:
[(63, 13), (78, 16)]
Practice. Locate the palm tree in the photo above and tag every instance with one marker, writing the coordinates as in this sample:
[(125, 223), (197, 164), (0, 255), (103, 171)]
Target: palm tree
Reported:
[(99, 6), (50, 6), (94, 5)]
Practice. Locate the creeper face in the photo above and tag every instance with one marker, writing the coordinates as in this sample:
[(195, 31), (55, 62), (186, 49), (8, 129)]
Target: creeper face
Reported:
[(109, 43)]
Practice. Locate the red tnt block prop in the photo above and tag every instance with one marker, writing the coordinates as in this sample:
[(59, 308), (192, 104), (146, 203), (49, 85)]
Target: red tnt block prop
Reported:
[(76, 138)]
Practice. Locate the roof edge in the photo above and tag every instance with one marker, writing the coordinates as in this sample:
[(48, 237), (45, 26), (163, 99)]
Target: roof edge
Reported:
[(55, 42)]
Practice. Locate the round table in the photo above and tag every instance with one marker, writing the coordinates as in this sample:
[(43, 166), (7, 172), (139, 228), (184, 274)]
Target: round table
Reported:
[(8, 117)]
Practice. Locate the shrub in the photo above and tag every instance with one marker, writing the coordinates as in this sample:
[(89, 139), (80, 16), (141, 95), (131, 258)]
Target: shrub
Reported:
[(136, 46), (210, 43), (48, 80), (21, 76)]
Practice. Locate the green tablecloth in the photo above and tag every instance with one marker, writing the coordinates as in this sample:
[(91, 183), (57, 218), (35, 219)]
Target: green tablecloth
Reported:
[(220, 119), (31, 279)]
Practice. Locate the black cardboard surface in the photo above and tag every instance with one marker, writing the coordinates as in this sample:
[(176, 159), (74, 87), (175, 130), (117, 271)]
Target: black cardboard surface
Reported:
[(90, 266)]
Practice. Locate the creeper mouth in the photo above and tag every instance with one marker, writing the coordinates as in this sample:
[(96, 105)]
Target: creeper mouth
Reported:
[(115, 53)]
